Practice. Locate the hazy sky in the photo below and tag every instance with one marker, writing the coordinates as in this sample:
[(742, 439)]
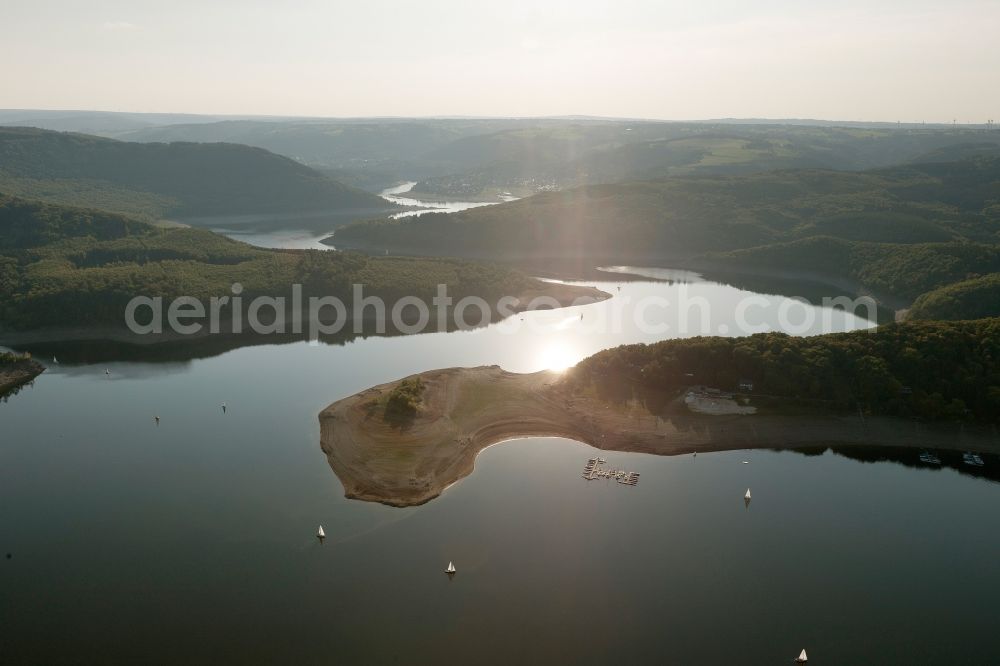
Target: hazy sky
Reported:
[(874, 59)]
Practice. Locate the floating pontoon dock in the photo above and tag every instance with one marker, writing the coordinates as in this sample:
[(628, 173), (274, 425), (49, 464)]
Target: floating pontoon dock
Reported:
[(594, 469)]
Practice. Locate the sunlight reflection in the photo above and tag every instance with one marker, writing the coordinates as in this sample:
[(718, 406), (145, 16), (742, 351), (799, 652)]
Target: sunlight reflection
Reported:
[(557, 357)]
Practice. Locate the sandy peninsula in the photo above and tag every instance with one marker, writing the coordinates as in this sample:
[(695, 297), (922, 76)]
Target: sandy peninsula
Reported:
[(464, 410)]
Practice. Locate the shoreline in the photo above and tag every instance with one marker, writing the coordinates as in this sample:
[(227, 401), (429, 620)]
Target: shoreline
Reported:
[(466, 410), (565, 295), (16, 375), (255, 220), (431, 198), (589, 263)]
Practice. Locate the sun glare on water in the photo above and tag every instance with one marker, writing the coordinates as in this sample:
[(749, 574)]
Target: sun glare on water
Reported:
[(557, 357)]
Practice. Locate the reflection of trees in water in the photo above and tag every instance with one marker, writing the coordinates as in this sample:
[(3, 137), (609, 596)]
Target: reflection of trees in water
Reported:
[(87, 352), (814, 292), (9, 393), (910, 457), (663, 404), (666, 406), (16, 373)]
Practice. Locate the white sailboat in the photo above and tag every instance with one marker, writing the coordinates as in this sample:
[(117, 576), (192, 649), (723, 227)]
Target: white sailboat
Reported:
[(747, 496), (451, 568), (802, 657), (320, 533)]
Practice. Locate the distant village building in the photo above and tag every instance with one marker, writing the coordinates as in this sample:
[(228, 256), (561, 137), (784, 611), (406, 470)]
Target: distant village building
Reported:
[(746, 385)]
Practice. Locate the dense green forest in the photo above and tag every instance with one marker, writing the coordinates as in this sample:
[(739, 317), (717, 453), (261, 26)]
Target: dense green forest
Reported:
[(927, 370), (894, 271), (164, 180), (62, 266), (968, 299), (899, 231)]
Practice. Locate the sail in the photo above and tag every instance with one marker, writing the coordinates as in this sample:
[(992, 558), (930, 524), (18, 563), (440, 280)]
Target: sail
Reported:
[(802, 657), (451, 568), (747, 496), (320, 533)]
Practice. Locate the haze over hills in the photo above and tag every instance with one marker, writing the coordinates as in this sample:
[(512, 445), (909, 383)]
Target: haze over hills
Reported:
[(749, 196), (477, 158), (168, 180), (532, 159)]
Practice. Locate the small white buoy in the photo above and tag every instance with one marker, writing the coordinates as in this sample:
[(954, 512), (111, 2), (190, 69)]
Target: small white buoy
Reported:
[(746, 462), (320, 534), (451, 568), (802, 657)]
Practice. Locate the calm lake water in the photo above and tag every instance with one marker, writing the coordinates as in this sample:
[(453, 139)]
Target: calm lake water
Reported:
[(282, 233), (192, 542), (396, 195)]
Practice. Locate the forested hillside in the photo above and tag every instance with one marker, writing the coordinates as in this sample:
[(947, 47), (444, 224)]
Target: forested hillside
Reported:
[(913, 204), (928, 370), (73, 267), (894, 271), (969, 299), (900, 231), (167, 180)]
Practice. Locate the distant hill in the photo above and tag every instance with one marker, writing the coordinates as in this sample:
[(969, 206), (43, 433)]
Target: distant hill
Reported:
[(899, 231), (167, 180), (477, 158), (103, 123), (533, 158), (403, 148), (684, 215), (959, 151)]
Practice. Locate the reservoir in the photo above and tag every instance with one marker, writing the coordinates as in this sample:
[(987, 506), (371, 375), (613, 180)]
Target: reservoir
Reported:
[(193, 541), (306, 233)]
